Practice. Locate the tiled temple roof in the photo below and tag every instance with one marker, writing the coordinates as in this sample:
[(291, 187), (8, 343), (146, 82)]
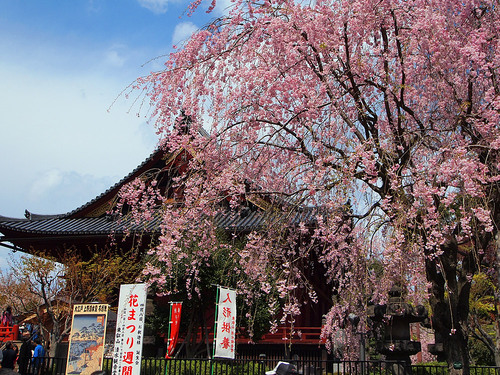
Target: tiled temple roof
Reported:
[(104, 225)]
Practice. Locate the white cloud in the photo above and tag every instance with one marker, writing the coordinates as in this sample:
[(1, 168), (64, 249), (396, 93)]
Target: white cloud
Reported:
[(222, 7), (94, 6), (183, 32), (65, 190), (114, 59), (48, 181), (156, 6)]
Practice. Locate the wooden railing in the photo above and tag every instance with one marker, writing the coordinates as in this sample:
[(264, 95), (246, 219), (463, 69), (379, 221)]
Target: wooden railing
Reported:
[(9, 333), (301, 335)]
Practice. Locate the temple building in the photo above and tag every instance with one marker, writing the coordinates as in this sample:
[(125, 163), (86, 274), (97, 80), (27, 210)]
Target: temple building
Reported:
[(89, 227)]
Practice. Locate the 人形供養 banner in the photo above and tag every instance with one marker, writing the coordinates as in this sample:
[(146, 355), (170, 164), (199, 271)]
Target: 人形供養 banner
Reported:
[(226, 324)]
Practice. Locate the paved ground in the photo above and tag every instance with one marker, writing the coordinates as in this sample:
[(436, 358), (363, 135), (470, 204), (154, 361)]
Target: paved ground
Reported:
[(8, 371)]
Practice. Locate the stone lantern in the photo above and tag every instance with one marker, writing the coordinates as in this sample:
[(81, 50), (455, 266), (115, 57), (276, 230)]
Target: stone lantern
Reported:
[(392, 327)]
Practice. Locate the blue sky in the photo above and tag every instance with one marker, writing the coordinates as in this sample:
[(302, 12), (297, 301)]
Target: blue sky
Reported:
[(62, 65)]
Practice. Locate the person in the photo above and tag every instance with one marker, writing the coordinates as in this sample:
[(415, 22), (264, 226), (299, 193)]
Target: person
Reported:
[(16, 351), (35, 330), (9, 356), (7, 317), (283, 368), (24, 354), (38, 355)]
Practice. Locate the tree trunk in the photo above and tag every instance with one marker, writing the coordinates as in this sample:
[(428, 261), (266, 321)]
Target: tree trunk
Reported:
[(497, 302), (52, 345), (449, 275), (456, 352), (189, 336), (497, 343), (206, 334)]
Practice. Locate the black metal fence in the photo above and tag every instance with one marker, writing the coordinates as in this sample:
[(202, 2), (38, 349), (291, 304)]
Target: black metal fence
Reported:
[(180, 366), (443, 370)]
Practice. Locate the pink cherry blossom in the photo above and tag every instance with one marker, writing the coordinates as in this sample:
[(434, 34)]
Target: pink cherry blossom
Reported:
[(382, 114)]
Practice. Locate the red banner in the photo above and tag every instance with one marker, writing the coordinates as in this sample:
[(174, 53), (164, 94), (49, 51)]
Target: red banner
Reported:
[(175, 321)]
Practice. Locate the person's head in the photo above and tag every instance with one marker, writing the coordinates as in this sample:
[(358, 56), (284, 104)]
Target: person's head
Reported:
[(9, 309), (38, 341), (8, 345)]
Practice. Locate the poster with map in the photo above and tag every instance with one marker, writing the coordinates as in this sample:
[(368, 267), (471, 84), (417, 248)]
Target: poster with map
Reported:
[(86, 341)]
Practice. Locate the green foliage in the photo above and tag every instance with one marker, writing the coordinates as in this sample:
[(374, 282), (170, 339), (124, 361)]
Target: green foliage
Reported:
[(482, 300), (153, 366), (430, 368), (480, 354), (260, 318), (158, 320), (483, 371), (204, 367), (160, 366), (483, 313), (441, 368), (198, 292), (207, 368)]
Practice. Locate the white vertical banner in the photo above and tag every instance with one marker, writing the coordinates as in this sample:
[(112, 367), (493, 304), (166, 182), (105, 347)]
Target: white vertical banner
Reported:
[(127, 351), (225, 334)]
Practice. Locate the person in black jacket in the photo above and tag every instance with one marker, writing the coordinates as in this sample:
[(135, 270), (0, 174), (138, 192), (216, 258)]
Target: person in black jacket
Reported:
[(25, 355), (9, 356)]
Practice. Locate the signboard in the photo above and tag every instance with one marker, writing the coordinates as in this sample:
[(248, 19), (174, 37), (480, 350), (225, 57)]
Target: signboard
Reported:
[(225, 334), (86, 341), (173, 328), (129, 330)]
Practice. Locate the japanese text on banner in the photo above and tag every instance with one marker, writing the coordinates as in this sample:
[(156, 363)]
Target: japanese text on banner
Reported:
[(129, 330), (175, 321), (226, 324)]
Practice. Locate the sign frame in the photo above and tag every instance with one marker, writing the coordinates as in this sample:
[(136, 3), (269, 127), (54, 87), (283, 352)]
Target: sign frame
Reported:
[(88, 326)]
